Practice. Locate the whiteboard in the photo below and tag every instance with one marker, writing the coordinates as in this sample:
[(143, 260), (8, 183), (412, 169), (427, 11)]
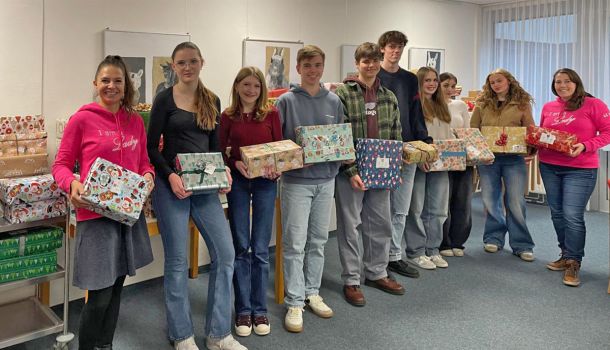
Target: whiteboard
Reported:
[(142, 45), (261, 53)]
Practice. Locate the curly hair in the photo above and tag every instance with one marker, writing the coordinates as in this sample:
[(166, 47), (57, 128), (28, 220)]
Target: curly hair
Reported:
[(516, 94), (435, 106)]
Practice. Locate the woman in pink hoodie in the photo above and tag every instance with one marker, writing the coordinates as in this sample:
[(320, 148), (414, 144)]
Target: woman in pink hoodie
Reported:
[(105, 250), (570, 179)]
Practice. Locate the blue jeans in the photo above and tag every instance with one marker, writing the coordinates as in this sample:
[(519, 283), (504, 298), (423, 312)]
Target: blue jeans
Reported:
[(505, 211), (568, 190), (305, 218), (400, 202), (173, 218), (251, 249)]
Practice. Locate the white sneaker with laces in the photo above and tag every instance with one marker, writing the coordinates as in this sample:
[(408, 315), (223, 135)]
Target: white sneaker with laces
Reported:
[(317, 305), (424, 262), (438, 261), (294, 319), (446, 252), (226, 343), (186, 344), (458, 252)]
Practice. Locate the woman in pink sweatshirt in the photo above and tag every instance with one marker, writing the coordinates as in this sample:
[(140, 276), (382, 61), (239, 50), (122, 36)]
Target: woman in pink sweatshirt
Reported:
[(570, 179), (105, 250)]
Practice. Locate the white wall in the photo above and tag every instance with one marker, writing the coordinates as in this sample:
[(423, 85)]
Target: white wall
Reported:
[(72, 41)]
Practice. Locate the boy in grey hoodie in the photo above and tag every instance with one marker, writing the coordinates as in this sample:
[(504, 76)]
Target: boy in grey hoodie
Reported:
[(306, 194)]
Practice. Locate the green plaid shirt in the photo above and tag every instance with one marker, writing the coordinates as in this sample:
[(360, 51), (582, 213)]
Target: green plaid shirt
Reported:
[(388, 116)]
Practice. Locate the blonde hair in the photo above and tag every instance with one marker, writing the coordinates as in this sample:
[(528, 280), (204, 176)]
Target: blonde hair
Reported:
[(262, 107), (516, 94), (435, 106), (205, 100)]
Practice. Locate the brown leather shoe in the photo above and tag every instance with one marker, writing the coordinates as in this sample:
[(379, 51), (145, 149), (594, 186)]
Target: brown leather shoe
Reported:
[(387, 285), (353, 295), (570, 276), (557, 265)]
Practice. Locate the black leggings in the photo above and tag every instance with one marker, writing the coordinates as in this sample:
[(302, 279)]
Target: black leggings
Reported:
[(99, 316)]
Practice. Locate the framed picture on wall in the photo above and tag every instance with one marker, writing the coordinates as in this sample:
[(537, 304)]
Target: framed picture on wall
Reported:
[(276, 59), (425, 57)]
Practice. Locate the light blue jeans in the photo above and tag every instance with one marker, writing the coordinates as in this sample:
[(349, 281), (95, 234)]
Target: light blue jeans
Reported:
[(428, 212), (173, 218), (505, 211), (400, 202), (306, 211)]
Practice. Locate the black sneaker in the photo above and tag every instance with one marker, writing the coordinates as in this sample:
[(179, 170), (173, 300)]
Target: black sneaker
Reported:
[(402, 268)]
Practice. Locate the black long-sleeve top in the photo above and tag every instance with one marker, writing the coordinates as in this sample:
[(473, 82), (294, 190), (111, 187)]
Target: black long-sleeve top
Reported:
[(180, 133)]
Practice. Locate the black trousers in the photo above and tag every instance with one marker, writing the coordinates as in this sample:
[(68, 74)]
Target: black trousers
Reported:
[(99, 317), (456, 229)]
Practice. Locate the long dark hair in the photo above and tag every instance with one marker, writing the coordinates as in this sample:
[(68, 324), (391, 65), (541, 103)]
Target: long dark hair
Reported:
[(578, 97), (128, 95)]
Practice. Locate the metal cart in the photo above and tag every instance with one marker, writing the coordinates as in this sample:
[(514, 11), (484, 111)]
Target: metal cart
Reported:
[(30, 319)]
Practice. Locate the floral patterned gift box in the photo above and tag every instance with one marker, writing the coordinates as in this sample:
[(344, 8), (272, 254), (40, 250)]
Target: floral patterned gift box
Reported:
[(202, 171), (452, 155), (477, 150), (39, 210), (276, 156), (326, 143), (555, 140), (419, 152), (28, 189), (379, 162), (21, 124), (505, 139), (115, 192)]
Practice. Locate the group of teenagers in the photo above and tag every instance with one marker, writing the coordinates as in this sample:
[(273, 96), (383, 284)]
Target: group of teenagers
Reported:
[(430, 211)]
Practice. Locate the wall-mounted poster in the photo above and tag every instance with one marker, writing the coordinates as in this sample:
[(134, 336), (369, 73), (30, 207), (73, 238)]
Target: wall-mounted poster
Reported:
[(424, 57), (136, 66), (277, 60), (163, 75)]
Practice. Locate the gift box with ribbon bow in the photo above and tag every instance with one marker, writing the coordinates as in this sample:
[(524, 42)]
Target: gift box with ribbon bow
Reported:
[(556, 140), (202, 171)]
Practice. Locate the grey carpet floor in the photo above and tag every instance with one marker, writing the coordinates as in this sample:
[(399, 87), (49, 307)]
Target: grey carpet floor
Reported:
[(482, 301)]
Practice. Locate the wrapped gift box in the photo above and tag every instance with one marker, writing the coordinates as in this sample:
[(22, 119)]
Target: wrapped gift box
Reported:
[(202, 171), (276, 156), (452, 155), (419, 152), (26, 212), (28, 189), (149, 213), (33, 242), (477, 150), (505, 139), (326, 143), (27, 165), (23, 144), (28, 261), (379, 162), (21, 124), (115, 192), (555, 140), (27, 273)]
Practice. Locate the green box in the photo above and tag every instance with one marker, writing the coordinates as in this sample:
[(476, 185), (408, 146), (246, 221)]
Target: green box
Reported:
[(202, 171)]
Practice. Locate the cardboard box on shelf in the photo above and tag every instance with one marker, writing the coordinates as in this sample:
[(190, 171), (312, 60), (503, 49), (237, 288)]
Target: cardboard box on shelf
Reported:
[(28, 189), (26, 212), (21, 124), (26, 165)]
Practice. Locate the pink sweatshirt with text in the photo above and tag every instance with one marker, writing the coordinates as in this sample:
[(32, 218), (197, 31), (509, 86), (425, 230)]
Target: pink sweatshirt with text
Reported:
[(93, 132), (590, 123)]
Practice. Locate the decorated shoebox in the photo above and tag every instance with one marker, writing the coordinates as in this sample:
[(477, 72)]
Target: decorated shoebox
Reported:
[(29, 243), (115, 192), (452, 155), (21, 124), (39, 210), (29, 189), (477, 150), (23, 144), (506, 139), (276, 156), (28, 272), (379, 162), (29, 261), (326, 143), (18, 166), (419, 152), (202, 171), (555, 140)]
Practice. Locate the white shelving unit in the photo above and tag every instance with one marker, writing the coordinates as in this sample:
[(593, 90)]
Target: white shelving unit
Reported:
[(29, 319)]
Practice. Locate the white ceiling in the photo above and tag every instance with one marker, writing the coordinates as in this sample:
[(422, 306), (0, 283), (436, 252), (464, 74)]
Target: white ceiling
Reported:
[(482, 2)]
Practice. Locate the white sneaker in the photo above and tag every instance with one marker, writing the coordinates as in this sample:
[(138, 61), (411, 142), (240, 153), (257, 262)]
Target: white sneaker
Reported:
[(226, 343), (294, 319), (447, 252), (186, 344), (490, 248), (439, 261), (317, 305), (424, 262), (458, 252), (527, 256)]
